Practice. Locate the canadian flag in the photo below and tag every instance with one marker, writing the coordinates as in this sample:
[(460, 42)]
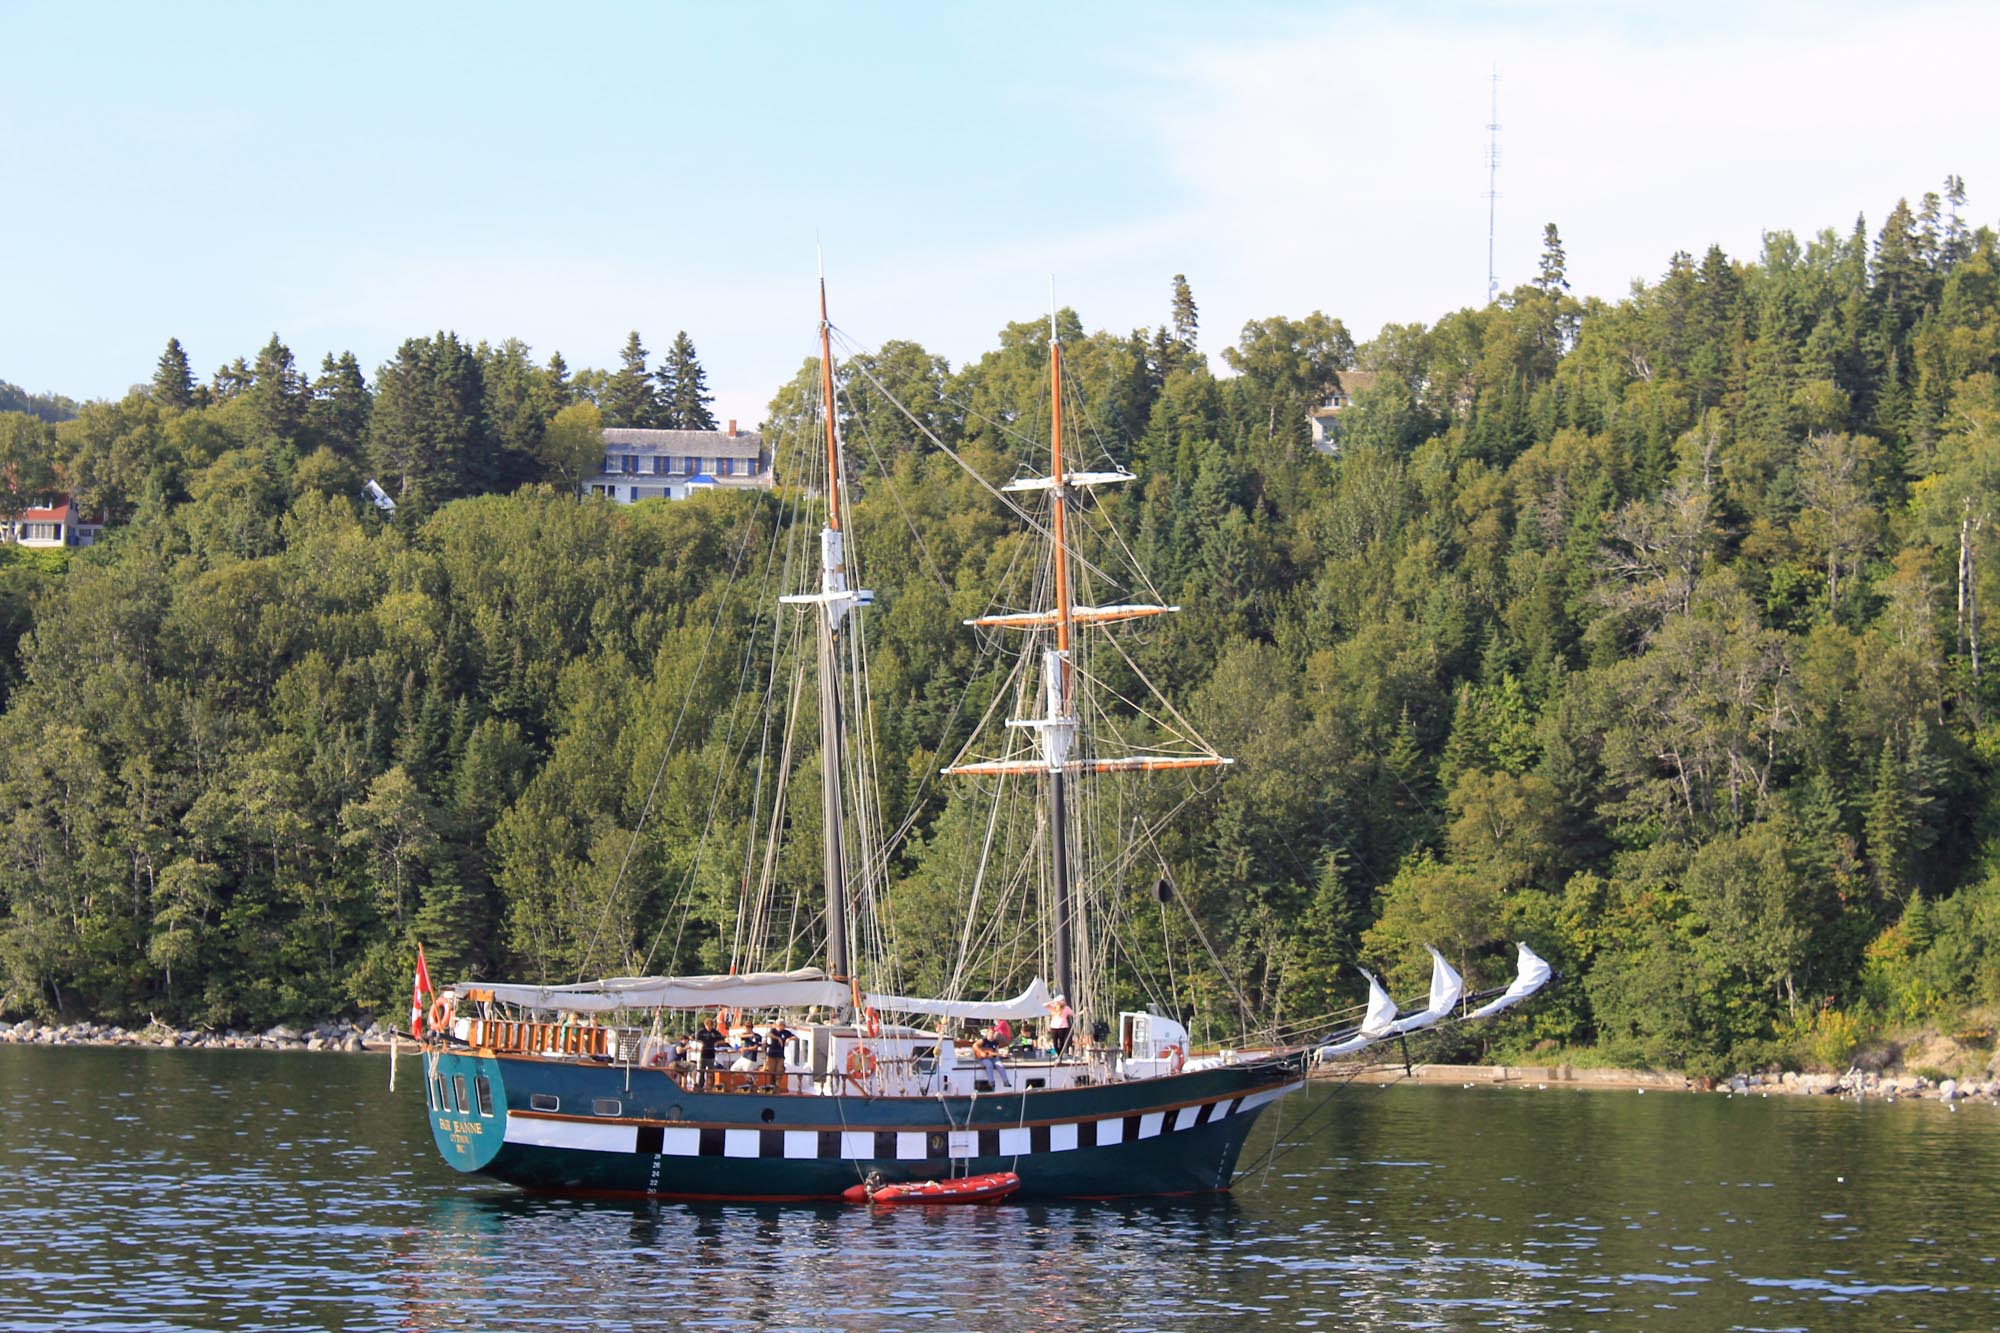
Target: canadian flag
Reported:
[(419, 988)]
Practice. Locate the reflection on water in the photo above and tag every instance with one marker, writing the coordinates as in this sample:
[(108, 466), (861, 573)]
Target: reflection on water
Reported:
[(146, 1190)]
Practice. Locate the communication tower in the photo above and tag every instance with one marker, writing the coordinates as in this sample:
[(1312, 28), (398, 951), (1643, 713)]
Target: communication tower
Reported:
[(1492, 185)]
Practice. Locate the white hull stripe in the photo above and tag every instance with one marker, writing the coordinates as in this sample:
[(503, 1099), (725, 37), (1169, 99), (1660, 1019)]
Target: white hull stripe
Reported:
[(528, 1128)]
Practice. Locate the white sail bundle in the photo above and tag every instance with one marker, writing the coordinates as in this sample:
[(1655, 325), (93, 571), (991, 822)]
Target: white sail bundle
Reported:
[(1530, 976), (1029, 1004), (755, 990), (1379, 1022), (1447, 987)]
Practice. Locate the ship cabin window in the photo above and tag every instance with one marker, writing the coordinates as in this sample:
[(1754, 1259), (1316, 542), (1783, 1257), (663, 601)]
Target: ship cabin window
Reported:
[(438, 1103), (606, 1106), (484, 1087), (542, 1101), (458, 1097)]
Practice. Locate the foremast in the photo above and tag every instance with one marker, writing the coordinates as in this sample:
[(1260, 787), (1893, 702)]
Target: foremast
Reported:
[(1055, 731), (833, 601)]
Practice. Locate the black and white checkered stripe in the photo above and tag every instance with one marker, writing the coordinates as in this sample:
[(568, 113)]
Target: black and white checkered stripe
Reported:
[(913, 1145)]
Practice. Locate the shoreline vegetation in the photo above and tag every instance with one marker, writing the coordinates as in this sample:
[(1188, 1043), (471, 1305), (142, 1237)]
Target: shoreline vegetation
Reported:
[(353, 1037), (1656, 632)]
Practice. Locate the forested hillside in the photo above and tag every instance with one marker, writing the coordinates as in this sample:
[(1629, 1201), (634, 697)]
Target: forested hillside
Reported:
[(1649, 632)]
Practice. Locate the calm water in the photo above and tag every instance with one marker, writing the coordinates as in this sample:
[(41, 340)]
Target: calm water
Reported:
[(236, 1190)]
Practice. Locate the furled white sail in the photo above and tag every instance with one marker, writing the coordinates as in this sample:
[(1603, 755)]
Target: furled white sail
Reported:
[(1446, 987), (1028, 1004), (1377, 1023), (1530, 976), (753, 990)]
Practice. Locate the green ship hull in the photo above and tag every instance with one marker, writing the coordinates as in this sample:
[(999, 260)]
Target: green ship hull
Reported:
[(601, 1128)]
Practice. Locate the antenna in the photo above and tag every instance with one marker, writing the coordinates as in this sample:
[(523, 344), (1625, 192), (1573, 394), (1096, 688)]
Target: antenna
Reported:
[(1492, 188)]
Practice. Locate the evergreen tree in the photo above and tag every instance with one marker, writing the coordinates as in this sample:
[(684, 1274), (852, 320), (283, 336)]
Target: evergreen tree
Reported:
[(1552, 274), (428, 440), (232, 379), (340, 406), (684, 396), (277, 392), (629, 398), (1186, 318), (555, 378), (173, 381)]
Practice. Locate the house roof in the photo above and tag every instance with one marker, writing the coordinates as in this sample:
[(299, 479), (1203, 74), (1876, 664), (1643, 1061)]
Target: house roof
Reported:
[(56, 513), (1347, 383), (706, 443)]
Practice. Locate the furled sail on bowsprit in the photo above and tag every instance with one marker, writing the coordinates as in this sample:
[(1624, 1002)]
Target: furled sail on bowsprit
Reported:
[(1447, 987), (1531, 975)]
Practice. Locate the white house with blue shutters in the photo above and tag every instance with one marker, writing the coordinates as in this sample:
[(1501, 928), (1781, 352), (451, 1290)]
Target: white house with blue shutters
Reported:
[(673, 464)]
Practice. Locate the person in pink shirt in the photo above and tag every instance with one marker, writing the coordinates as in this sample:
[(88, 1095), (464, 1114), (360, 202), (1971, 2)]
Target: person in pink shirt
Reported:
[(1060, 1017)]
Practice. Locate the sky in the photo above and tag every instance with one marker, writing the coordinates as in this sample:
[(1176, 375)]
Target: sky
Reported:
[(348, 177)]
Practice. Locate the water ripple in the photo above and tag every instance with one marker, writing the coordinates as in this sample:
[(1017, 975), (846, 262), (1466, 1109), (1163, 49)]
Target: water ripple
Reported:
[(256, 1193)]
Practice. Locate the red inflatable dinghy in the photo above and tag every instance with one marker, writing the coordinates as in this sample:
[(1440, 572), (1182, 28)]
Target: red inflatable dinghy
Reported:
[(965, 1189)]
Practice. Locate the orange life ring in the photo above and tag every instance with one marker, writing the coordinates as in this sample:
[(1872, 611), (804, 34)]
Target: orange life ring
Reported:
[(1177, 1055), (861, 1063), (874, 1025), (440, 1016)]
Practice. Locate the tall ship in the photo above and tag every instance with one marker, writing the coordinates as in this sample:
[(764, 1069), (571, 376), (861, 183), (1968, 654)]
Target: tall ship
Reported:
[(848, 1086)]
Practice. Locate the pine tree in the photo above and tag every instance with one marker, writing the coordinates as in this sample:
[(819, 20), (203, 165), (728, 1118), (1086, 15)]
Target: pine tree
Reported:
[(428, 438), (684, 396), (340, 406), (1888, 824), (173, 382), (1957, 241), (1186, 318), (232, 379), (556, 380), (1552, 276), (629, 399), (278, 392)]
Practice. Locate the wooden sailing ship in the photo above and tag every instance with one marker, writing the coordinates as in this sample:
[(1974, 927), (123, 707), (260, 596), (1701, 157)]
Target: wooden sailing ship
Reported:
[(572, 1087)]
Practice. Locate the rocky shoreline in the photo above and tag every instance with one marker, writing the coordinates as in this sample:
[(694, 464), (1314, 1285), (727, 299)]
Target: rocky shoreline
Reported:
[(356, 1037), (1855, 1084), (334, 1036)]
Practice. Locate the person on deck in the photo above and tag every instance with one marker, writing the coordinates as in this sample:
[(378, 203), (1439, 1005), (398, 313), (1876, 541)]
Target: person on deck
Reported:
[(1060, 1017), (774, 1054), (1003, 1034), (706, 1040), (749, 1053), (988, 1056)]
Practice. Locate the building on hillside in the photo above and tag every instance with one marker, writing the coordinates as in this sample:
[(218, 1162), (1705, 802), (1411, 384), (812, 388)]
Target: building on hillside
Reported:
[(50, 526), (1325, 419), (673, 464)]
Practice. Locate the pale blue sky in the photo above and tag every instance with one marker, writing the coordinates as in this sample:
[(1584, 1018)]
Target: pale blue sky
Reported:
[(353, 176)]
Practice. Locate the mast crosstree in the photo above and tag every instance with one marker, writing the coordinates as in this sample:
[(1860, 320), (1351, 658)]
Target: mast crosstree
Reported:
[(1055, 764)]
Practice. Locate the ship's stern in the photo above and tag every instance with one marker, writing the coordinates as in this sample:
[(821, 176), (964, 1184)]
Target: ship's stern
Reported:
[(467, 1105)]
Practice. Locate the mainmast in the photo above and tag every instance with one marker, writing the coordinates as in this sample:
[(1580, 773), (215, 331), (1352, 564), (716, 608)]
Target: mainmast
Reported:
[(1059, 724), (1056, 729), (834, 600)]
